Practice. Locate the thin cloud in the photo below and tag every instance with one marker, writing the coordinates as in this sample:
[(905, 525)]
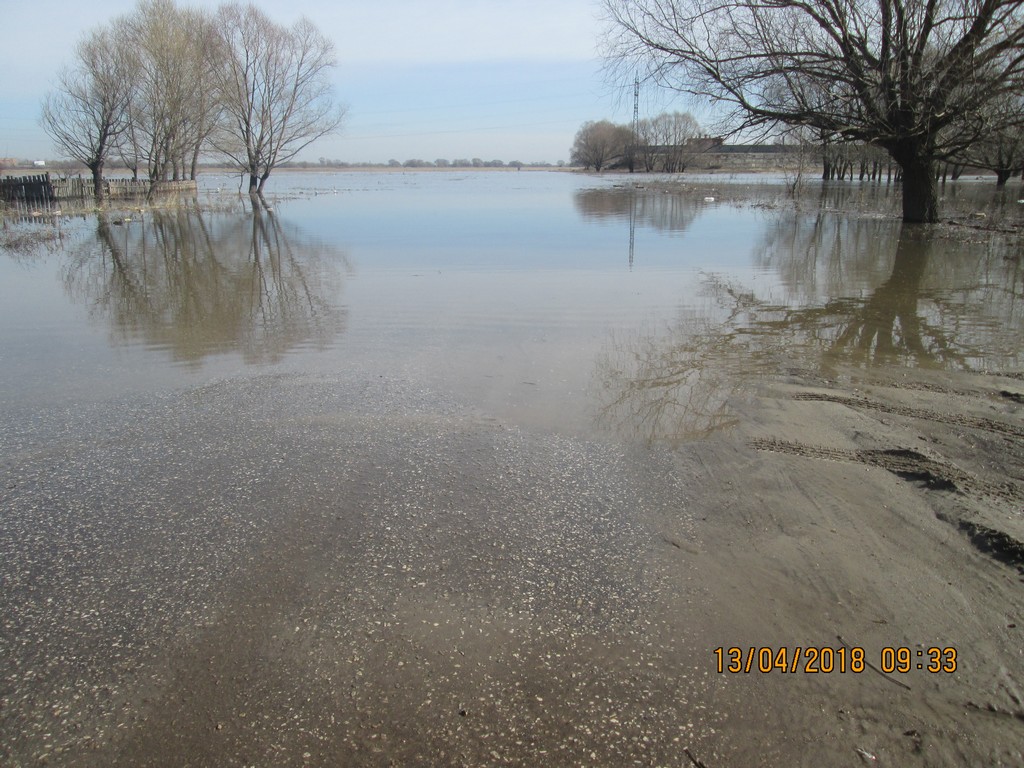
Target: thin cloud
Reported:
[(411, 72)]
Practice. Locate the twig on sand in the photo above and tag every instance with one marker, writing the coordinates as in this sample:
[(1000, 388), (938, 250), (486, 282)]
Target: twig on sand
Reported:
[(996, 710), (694, 760), (866, 755), (893, 680)]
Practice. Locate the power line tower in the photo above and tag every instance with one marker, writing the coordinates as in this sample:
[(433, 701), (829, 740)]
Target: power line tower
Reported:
[(636, 106), (633, 149)]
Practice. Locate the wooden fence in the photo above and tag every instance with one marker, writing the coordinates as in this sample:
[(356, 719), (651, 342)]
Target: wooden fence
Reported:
[(27, 189), (43, 189)]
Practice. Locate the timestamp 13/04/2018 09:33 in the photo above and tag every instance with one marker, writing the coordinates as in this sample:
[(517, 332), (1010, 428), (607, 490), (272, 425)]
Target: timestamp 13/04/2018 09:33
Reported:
[(826, 659)]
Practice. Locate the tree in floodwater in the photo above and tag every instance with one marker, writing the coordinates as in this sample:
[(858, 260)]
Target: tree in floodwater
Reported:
[(174, 54), (597, 144), (1002, 151), (667, 141), (85, 114), (914, 77), (275, 89)]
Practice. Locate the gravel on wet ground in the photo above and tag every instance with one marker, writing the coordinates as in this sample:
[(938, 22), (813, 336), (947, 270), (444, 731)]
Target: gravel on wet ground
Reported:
[(290, 569)]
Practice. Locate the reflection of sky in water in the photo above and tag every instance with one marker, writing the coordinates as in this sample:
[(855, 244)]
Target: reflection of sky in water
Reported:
[(44, 339), (502, 288), (508, 220)]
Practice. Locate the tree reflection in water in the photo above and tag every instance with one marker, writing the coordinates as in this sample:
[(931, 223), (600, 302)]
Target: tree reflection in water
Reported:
[(197, 284), (857, 294), (658, 210)]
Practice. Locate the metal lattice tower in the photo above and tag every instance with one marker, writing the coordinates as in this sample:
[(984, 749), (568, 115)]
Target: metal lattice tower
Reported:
[(636, 106)]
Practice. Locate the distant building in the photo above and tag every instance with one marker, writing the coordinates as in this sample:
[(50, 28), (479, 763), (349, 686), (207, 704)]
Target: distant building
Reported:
[(747, 157), (39, 163), (704, 144)]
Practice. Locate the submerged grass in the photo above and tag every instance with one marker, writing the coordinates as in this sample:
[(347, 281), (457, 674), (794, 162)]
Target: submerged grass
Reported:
[(21, 239), (26, 228)]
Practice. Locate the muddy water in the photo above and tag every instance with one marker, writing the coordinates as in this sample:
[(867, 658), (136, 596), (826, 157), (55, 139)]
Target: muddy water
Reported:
[(386, 474)]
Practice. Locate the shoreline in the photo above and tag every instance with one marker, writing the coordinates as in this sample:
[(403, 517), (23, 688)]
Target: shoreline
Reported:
[(350, 568)]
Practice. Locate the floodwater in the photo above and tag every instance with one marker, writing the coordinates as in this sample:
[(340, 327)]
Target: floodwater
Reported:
[(370, 476), (509, 290)]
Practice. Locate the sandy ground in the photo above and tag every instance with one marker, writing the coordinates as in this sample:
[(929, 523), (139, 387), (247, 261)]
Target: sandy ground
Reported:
[(882, 514), (316, 571)]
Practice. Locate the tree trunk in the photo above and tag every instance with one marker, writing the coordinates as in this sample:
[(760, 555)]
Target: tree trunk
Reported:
[(1002, 176), (97, 181), (920, 189)]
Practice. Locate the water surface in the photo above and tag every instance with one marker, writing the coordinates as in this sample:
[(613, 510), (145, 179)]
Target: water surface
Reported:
[(521, 293)]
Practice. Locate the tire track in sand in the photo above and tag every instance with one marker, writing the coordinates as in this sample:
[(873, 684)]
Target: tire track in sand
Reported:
[(913, 465), (972, 422)]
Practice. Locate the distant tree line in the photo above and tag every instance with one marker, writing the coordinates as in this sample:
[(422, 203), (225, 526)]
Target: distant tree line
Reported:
[(664, 143), (670, 142), (164, 85), (1001, 153), (441, 162), (476, 162)]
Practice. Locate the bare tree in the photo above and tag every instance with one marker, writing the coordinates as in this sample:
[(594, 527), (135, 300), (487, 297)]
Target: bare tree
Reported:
[(86, 113), (913, 77), (174, 55), (667, 141), (275, 89), (1002, 151), (678, 130), (597, 144), (207, 111), (647, 143)]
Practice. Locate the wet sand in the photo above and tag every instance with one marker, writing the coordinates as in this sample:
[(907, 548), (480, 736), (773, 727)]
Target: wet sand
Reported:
[(883, 513), (323, 570)]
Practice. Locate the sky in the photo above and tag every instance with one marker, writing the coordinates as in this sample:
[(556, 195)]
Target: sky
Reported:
[(490, 79)]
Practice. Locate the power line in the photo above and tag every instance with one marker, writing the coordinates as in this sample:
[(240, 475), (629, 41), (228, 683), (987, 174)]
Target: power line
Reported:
[(414, 133)]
